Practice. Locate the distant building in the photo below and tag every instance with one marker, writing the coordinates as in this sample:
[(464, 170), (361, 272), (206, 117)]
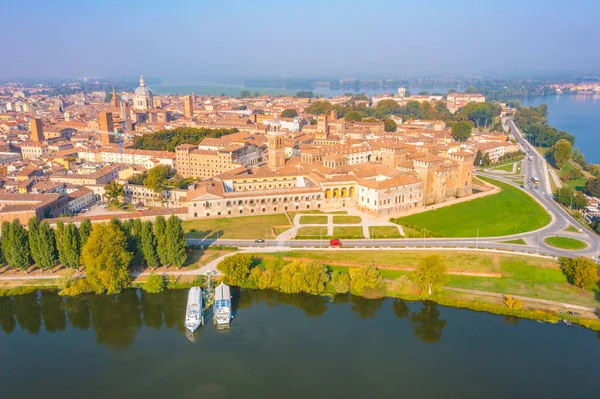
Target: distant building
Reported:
[(105, 120)]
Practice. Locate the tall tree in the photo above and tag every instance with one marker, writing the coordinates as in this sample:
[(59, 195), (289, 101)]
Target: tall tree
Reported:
[(175, 242), (148, 245), (85, 228), (389, 125), (592, 186), (47, 247), (113, 191), (431, 274), (157, 179), (561, 153), (70, 247), (580, 271), (461, 131), (160, 232), (59, 233), (20, 252), (289, 113), (33, 227), (6, 243), (106, 259)]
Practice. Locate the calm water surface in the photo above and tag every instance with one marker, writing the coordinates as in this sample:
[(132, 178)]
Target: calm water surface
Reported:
[(284, 346), (578, 114)]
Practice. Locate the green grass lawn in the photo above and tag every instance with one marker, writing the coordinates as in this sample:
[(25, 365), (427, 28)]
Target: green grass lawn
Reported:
[(572, 229), (507, 168), (455, 260), (347, 219), (519, 241), (313, 219), (384, 232), (348, 231), (279, 230), (312, 231), (510, 211), (565, 243), (245, 227), (576, 184), (197, 257)]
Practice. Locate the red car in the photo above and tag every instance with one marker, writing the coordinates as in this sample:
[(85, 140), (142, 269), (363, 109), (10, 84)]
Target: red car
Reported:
[(335, 243)]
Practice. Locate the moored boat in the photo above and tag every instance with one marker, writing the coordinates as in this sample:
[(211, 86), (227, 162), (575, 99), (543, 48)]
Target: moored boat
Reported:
[(222, 306), (193, 313)]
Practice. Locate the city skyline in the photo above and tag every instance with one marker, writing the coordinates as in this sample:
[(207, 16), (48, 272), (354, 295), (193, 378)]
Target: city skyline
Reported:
[(266, 38)]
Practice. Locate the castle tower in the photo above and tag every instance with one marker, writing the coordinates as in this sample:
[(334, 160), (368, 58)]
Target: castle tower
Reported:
[(37, 131), (105, 120), (114, 101), (275, 141), (188, 107)]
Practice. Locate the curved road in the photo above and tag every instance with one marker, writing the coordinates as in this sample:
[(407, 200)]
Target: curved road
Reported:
[(537, 167)]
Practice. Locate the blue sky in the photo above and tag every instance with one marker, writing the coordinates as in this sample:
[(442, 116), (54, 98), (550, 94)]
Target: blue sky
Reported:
[(303, 38)]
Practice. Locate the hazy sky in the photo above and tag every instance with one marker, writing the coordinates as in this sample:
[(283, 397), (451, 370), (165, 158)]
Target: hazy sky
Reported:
[(177, 39)]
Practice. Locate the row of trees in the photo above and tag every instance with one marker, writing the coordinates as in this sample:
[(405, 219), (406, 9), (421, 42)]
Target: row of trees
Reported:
[(106, 250), (168, 139), (533, 122), (244, 270)]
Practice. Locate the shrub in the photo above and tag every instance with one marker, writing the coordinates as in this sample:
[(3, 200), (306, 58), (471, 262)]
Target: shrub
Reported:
[(513, 303), (154, 284)]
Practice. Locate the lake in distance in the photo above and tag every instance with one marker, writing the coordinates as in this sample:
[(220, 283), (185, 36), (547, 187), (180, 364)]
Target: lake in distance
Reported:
[(577, 114), (133, 345)]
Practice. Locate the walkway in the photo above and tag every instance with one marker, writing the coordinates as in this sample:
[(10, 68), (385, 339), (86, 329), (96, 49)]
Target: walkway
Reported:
[(366, 222)]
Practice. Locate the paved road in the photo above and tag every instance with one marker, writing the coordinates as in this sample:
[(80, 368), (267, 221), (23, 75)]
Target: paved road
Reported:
[(535, 240)]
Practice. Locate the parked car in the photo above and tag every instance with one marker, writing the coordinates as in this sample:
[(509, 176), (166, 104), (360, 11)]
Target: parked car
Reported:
[(259, 241), (85, 210), (335, 243)]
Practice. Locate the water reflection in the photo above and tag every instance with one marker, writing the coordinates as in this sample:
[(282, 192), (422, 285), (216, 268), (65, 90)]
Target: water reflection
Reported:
[(427, 325), (116, 319)]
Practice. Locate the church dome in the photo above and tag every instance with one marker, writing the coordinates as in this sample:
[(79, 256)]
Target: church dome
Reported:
[(143, 91)]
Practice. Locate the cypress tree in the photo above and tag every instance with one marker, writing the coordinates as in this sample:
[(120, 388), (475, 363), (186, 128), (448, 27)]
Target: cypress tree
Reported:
[(46, 247), (160, 231), (59, 234), (175, 242), (19, 246), (70, 247), (148, 245), (6, 245), (85, 228), (33, 227)]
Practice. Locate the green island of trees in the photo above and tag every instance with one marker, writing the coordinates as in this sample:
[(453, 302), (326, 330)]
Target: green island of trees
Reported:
[(168, 139)]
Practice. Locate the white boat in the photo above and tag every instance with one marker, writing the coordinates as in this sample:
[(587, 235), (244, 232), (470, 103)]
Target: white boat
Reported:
[(193, 313), (222, 306)]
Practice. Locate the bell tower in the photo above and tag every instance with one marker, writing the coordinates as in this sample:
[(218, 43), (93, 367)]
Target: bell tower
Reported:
[(276, 151)]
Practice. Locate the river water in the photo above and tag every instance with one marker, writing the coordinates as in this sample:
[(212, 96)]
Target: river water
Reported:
[(577, 114), (284, 346)]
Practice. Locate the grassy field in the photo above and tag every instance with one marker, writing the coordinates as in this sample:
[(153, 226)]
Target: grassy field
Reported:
[(312, 231), (455, 260), (519, 241), (348, 231), (313, 219), (572, 229), (279, 230), (347, 219), (565, 243), (384, 232), (197, 257), (245, 227), (507, 168), (521, 275), (509, 212)]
